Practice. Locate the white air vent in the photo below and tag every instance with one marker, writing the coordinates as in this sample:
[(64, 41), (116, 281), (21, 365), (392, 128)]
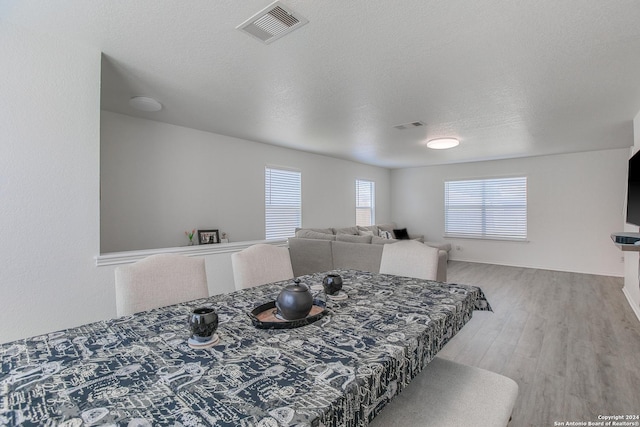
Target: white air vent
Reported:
[(273, 22), (409, 125)]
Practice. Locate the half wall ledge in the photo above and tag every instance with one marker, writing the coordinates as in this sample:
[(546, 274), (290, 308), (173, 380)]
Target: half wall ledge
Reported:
[(128, 257)]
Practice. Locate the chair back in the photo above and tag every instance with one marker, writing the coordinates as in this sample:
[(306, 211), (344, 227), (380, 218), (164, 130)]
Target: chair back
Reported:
[(158, 281), (260, 264), (410, 258)]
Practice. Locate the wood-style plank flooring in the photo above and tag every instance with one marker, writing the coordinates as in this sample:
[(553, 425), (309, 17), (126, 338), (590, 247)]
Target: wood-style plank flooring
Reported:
[(569, 340)]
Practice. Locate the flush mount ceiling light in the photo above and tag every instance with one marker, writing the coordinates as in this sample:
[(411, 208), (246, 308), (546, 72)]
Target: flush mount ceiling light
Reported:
[(443, 143), (144, 103)]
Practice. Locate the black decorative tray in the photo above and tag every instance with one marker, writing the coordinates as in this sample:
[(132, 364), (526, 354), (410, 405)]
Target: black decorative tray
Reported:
[(264, 316)]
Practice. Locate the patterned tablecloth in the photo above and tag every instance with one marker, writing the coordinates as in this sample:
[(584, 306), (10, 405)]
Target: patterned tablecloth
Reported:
[(139, 370)]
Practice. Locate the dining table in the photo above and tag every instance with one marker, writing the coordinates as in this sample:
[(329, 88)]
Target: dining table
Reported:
[(372, 338)]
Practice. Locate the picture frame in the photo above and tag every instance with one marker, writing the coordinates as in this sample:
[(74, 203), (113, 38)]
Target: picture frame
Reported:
[(208, 237)]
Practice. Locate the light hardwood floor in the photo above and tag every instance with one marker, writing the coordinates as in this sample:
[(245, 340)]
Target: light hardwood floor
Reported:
[(569, 340)]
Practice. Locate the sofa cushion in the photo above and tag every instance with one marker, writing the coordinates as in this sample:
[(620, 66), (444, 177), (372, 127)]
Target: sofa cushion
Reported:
[(382, 241), (373, 229), (356, 256), (353, 239), (310, 234), (310, 255), (401, 234), (319, 230), (377, 240), (346, 230)]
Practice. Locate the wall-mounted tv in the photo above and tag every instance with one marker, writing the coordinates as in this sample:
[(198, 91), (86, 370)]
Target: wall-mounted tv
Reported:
[(633, 190)]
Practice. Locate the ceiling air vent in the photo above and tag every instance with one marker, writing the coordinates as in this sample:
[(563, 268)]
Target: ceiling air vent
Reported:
[(273, 22), (409, 125)]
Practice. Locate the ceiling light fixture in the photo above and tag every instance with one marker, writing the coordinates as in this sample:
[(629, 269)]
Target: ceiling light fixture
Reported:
[(144, 103), (443, 143)]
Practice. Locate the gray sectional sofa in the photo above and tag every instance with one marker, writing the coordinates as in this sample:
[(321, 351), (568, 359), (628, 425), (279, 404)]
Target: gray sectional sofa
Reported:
[(315, 250)]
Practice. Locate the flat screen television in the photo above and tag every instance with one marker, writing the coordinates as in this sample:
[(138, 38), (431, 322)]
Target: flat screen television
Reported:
[(633, 190)]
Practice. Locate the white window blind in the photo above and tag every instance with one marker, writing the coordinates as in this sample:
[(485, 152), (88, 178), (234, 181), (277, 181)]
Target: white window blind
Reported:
[(283, 202), (486, 208), (365, 202)]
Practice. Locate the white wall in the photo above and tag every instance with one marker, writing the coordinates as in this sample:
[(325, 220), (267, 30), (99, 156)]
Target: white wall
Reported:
[(159, 180), (575, 202), (49, 181), (632, 259)]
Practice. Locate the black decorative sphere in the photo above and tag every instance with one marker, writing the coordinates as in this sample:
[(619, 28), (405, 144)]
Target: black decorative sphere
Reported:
[(332, 283), (294, 301)]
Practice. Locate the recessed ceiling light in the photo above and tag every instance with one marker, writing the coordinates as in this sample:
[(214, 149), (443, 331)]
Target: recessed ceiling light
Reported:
[(443, 143), (144, 103)]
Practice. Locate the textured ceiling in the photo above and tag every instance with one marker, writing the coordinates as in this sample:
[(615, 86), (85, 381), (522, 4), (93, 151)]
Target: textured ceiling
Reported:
[(509, 79)]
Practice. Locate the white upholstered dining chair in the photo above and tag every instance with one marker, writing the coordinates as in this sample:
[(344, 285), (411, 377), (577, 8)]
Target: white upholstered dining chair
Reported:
[(449, 394), (158, 281), (259, 264), (410, 258)]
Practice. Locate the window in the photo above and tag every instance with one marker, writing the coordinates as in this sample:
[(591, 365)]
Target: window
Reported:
[(486, 208), (365, 202), (282, 202)]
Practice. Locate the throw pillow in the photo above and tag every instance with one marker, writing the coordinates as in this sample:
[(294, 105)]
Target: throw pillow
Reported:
[(365, 233), (346, 230), (385, 234), (386, 227), (352, 238), (401, 234)]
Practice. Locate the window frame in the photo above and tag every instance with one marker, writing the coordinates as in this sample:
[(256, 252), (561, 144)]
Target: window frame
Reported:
[(276, 233), (488, 210), (372, 193)]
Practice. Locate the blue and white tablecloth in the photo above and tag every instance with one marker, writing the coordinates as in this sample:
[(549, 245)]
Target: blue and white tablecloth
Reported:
[(139, 370)]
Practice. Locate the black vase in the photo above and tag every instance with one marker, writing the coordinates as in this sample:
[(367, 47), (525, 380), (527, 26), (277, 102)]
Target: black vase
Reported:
[(203, 322), (332, 283)]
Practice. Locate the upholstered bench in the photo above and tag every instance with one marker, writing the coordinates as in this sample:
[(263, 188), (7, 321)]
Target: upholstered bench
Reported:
[(448, 394)]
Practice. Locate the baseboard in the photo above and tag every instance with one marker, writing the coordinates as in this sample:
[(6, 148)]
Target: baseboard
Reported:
[(632, 303)]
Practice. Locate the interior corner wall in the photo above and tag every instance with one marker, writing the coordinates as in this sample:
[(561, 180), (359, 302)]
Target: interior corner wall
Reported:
[(49, 183), (575, 201), (159, 180)]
